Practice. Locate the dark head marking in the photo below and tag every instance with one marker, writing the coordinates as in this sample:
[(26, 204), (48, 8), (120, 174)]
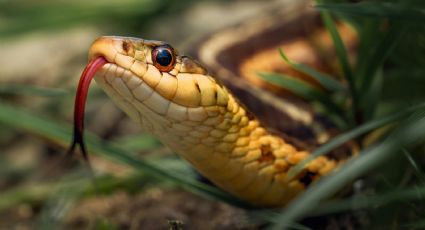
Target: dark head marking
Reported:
[(126, 46)]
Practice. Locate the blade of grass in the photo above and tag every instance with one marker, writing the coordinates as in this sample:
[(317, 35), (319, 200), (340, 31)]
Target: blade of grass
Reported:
[(16, 89), (62, 195), (140, 142), (344, 137), (418, 172), (343, 59), (368, 159), (61, 134), (303, 90), (325, 80), (373, 96), (36, 16), (175, 164), (36, 193), (403, 195), (104, 184), (379, 54), (377, 10), (28, 194)]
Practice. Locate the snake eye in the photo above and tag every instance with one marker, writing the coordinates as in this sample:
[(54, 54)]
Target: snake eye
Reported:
[(163, 58)]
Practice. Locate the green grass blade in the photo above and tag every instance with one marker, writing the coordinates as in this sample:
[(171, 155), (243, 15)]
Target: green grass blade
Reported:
[(377, 10), (342, 138), (61, 196), (379, 53), (372, 96), (343, 59), (378, 45), (418, 172), (303, 90), (327, 81), (19, 18), (140, 142), (309, 200), (27, 194), (62, 133), (367, 160), (402, 195), (174, 164), (17, 89), (103, 184)]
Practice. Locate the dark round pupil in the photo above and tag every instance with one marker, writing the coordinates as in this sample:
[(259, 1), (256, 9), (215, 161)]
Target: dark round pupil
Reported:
[(163, 57)]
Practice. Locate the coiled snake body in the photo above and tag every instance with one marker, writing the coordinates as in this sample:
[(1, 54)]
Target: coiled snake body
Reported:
[(174, 98)]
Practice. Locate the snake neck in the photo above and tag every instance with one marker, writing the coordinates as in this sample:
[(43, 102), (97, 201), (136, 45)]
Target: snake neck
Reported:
[(224, 143), (233, 150)]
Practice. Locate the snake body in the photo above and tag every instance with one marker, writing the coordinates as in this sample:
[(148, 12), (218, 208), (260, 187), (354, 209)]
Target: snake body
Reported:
[(200, 119)]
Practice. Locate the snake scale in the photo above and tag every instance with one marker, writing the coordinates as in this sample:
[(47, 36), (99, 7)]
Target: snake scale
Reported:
[(175, 98)]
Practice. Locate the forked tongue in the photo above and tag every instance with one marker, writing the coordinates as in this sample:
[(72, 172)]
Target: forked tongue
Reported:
[(80, 102)]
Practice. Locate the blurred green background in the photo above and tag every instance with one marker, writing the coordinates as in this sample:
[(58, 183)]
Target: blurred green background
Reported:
[(138, 182)]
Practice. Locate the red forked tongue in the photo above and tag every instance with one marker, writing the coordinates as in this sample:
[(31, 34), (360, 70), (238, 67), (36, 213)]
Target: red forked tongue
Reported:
[(80, 102)]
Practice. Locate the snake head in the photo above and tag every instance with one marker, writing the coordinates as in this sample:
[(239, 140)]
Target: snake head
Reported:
[(153, 84)]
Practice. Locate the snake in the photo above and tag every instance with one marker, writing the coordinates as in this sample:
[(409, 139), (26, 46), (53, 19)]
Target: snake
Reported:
[(174, 97)]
